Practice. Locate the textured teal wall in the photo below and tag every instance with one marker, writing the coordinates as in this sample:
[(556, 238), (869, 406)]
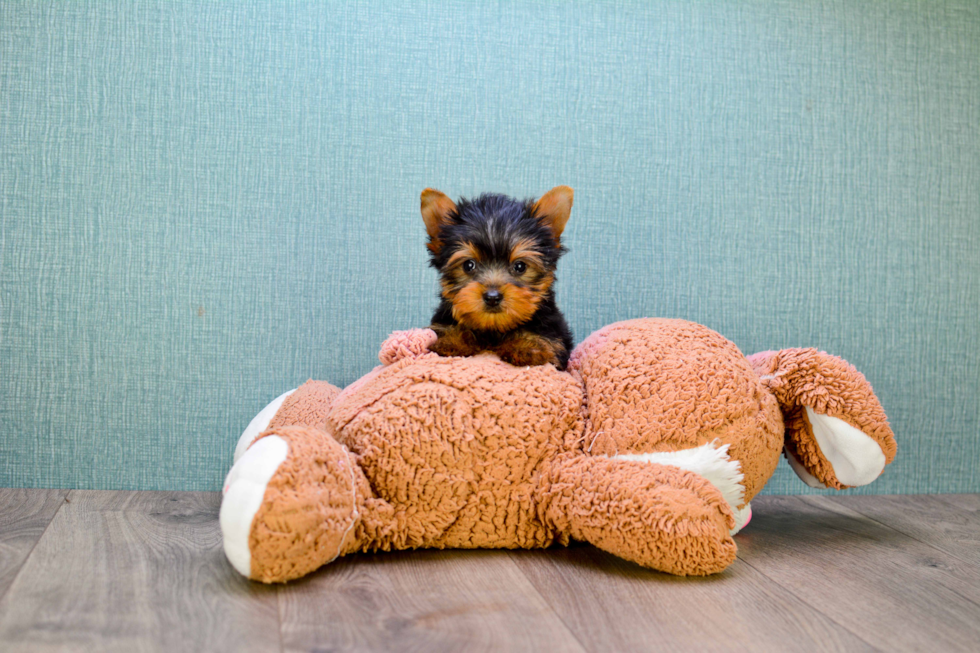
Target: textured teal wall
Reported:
[(205, 204)]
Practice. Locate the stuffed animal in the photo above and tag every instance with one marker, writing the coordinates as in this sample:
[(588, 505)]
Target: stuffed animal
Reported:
[(650, 447)]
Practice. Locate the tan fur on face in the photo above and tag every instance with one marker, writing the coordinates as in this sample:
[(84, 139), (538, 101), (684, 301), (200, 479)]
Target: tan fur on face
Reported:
[(517, 307), (453, 278), (525, 251), (544, 283), (465, 252)]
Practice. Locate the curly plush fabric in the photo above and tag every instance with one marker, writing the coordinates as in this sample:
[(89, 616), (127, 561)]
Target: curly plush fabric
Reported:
[(460, 446), (649, 447), (308, 405), (406, 344), (310, 506), (664, 385), (801, 378)]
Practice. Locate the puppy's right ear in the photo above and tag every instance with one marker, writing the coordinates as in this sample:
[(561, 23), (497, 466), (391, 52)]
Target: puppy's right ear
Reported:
[(553, 209), (436, 209)]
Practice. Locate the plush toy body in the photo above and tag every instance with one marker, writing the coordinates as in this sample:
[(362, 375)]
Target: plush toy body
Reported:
[(650, 447)]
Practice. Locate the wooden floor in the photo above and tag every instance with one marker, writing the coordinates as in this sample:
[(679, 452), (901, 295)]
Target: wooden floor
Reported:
[(134, 571)]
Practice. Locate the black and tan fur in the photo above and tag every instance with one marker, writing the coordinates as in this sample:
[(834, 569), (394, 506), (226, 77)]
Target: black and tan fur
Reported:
[(496, 258)]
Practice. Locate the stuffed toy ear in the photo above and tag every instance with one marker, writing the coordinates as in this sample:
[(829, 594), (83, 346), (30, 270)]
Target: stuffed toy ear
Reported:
[(554, 209), (437, 210), (837, 434)]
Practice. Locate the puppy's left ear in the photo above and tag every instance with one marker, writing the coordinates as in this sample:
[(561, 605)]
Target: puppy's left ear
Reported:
[(554, 208)]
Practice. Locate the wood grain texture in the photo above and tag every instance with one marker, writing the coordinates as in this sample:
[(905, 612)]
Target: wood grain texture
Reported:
[(945, 522), (24, 514), (613, 605), (420, 601), (144, 571), (895, 592), (135, 571), (968, 505)]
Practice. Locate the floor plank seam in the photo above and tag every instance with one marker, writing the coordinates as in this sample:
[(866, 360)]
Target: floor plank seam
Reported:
[(545, 600), (965, 599), (969, 563), (282, 635), (945, 498), (920, 541), (13, 581), (808, 604)]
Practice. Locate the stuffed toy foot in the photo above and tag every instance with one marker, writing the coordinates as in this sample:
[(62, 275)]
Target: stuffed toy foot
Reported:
[(837, 434), (308, 496), (295, 495)]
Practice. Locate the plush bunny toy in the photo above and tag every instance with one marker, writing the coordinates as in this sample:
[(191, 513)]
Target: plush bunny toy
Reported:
[(649, 447)]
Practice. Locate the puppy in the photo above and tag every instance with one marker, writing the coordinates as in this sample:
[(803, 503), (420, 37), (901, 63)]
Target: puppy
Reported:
[(496, 258)]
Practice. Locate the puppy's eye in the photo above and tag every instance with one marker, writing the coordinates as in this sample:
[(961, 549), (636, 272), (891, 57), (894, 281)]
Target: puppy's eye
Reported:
[(469, 266), (519, 267)]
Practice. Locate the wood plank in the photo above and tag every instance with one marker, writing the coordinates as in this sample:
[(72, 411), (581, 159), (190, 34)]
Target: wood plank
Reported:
[(420, 601), (933, 519), (897, 593), (613, 605), (24, 514), (136, 571), (967, 504)]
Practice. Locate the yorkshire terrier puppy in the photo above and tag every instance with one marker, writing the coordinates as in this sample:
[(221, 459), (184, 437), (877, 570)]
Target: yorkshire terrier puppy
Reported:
[(496, 257)]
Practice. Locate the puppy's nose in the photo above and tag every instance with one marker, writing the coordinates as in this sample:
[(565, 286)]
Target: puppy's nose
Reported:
[(492, 297)]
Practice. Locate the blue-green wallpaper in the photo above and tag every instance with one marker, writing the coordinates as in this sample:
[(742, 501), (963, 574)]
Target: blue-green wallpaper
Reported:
[(206, 203)]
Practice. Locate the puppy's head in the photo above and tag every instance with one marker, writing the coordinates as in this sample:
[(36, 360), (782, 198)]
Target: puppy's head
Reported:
[(496, 256)]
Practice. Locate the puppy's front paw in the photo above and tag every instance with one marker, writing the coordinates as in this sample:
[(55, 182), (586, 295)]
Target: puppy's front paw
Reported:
[(526, 350), (454, 342)]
